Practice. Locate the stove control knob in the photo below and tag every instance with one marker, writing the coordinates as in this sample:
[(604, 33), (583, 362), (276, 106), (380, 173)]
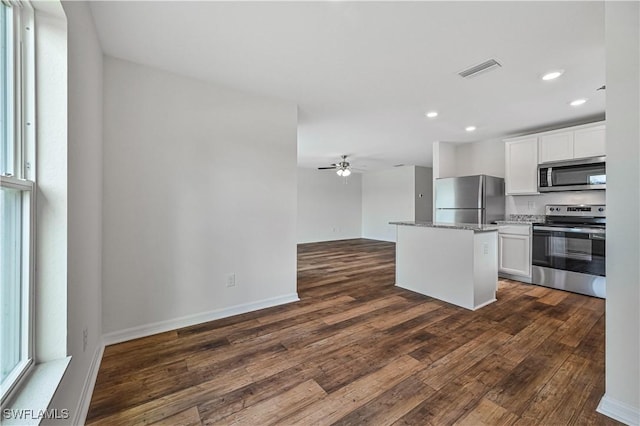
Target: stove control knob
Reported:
[(601, 209)]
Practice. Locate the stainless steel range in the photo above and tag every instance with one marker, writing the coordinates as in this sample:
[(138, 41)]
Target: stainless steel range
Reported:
[(569, 249)]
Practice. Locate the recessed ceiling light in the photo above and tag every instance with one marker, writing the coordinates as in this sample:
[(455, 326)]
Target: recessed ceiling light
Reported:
[(578, 102), (470, 128), (552, 75), (432, 114)]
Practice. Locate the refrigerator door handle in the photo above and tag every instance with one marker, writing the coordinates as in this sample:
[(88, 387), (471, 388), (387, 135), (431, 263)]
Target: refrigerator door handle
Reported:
[(481, 193)]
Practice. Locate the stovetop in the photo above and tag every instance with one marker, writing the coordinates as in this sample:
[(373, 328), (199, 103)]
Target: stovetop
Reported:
[(582, 215)]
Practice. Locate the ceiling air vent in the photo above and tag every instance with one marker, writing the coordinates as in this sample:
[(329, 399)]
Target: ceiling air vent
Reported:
[(480, 68)]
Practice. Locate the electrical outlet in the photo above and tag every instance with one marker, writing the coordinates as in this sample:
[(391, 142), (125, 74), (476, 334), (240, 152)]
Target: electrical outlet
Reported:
[(485, 248), (231, 280), (85, 338), (531, 205)]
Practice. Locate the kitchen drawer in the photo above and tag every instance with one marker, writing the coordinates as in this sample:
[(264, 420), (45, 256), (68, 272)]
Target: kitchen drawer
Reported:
[(524, 229)]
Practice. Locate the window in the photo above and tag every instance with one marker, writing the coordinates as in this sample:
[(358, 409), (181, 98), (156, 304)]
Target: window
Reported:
[(17, 192)]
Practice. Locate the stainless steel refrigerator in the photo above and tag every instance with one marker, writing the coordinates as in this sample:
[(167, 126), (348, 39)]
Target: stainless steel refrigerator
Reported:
[(470, 199)]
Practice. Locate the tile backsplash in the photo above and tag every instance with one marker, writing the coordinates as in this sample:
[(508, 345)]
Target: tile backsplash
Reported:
[(534, 204)]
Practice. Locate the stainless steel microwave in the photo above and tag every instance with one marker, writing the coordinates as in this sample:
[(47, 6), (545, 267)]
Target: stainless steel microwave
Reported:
[(573, 175)]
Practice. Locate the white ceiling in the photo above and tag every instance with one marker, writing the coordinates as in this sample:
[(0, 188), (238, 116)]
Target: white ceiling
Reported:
[(364, 73)]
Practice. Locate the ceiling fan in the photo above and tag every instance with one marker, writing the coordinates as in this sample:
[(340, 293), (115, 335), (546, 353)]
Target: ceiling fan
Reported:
[(343, 168)]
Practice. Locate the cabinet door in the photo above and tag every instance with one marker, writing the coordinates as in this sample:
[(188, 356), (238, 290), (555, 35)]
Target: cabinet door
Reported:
[(556, 147), (589, 142), (521, 166), (515, 254)]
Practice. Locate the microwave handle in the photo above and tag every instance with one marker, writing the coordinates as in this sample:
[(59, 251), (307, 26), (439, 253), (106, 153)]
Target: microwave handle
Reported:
[(549, 174)]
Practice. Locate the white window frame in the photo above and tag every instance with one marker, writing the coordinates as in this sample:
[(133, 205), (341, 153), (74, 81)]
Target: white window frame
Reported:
[(23, 180)]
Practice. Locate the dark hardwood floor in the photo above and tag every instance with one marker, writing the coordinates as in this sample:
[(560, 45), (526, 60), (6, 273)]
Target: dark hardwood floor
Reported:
[(357, 350)]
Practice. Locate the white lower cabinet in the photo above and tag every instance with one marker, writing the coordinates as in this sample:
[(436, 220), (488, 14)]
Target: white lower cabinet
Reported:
[(514, 247)]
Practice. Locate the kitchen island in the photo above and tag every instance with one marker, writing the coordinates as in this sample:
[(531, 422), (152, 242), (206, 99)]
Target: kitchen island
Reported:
[(456, 263)]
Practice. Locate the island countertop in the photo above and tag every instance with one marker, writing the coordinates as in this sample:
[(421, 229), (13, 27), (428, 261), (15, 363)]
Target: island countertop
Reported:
[(461, 226)]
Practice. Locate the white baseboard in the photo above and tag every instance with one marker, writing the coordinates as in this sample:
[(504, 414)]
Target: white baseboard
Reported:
[(82, 409), (186, 321), (482, 305), (619, 411)]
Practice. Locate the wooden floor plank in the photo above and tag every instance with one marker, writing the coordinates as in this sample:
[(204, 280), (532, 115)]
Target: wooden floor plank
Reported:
[(280, 406), (358, 350), (454, 364), (486, 413), (189, 417), (354, 395), (391, 405)]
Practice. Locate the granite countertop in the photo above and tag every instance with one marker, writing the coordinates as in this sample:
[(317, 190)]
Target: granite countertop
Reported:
[(514, 222), (461, 226), (521, 219)]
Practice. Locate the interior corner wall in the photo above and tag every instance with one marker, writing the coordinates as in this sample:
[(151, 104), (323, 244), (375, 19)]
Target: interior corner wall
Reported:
[(387, 195), (199, 184), (480, 158), (622, 351), (444, 165), (444, 160), (84, 189), (329, 207)]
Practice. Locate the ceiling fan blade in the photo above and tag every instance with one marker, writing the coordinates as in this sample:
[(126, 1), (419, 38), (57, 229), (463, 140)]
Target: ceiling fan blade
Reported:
[(327, 168)]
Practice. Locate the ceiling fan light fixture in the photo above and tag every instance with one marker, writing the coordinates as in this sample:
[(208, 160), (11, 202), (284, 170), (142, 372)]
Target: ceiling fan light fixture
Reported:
[(346, 172), (340, 172)]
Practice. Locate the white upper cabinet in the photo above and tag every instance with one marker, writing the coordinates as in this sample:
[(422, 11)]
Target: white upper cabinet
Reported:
[(556, 147), (521, 166), (574, 142), (524, 153), (590, 142)]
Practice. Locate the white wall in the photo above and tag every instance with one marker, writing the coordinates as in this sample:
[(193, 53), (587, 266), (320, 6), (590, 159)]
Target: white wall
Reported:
[(199, 182), (84, 250), (424, 193), (480, 158), (52, 197), (329, 207), (622, 22), (444, 160), (387, 195), (466, 159)]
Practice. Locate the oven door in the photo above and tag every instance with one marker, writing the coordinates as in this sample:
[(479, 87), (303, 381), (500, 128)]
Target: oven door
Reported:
[(570, 249)]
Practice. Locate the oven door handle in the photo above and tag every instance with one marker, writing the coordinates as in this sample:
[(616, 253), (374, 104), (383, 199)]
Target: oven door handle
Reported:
[(574, 230)]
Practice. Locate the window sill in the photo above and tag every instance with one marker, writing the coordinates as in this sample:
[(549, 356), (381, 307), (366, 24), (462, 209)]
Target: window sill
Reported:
[(31, 402)]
